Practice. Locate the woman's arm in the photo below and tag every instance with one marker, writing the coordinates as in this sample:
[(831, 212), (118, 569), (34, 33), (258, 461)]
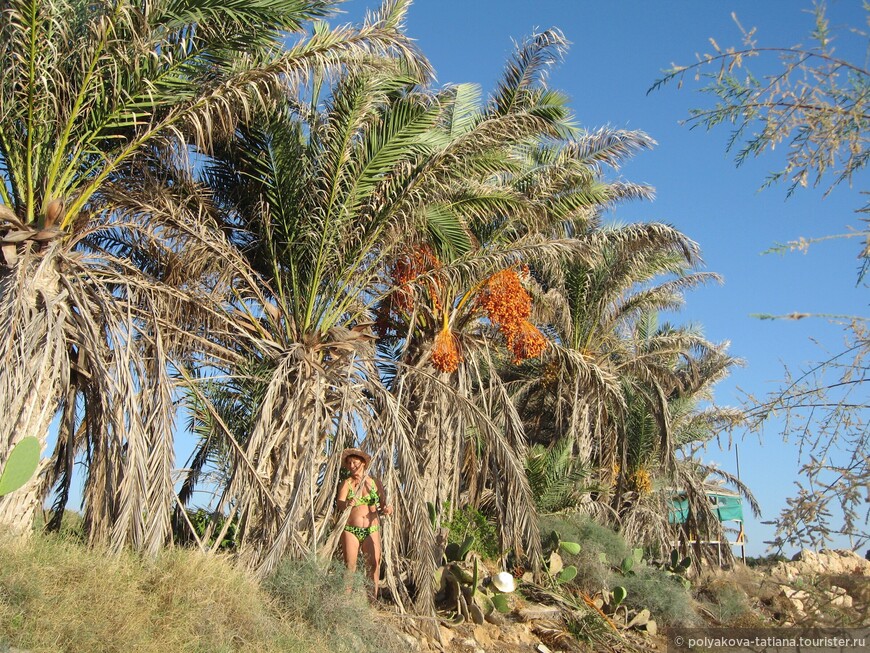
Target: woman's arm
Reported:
[(341, 498), (383, 507)]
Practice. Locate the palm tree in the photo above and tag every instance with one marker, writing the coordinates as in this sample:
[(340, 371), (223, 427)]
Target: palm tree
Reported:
[(452, 315), (648, 481), (108, 272), (310, 196), (601, 365)]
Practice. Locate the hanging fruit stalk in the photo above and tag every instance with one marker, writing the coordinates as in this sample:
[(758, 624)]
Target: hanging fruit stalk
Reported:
[(445, 352), (508, 305)]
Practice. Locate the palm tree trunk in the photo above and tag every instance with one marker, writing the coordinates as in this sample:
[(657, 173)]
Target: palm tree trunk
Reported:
[(34, 369)]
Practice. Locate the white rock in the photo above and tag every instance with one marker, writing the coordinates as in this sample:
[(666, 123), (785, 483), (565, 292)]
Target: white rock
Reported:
[(642, 618), (791, 593), (844, 601)]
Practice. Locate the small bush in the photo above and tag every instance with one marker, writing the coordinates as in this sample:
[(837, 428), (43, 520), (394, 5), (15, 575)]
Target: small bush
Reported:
[(467, 521), (330, 600), (602, 551), (765, 561), (669, 602), (72, 526), (729, 604), (593, 573), (590, 535)]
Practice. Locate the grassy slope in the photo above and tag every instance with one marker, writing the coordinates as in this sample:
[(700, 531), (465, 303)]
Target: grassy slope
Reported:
[(57, 595)]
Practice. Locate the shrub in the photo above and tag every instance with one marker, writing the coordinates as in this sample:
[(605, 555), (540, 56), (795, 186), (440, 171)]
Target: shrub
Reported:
[(765, 561), (600, 548), (654, 589), (72, 525), (602, 551), (590, 535), (330, 600), (593, 574), (729, 604), (468, 520)]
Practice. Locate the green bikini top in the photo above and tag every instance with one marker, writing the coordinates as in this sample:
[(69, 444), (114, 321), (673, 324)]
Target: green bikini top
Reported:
[(370, 499)]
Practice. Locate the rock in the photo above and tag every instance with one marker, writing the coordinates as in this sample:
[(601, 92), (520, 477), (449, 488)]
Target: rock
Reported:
[(652, 628), (447, 635), (639, 620), (543, 648), (495, 618), (825, 562), (839, 597), (412, 642), (843, 601), (797, 598), (483, 637), (526, 636), (536, 611), (791, 593), (783, 572)]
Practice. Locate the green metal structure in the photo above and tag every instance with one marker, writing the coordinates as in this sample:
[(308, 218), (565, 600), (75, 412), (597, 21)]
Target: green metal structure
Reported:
[(727, 506)]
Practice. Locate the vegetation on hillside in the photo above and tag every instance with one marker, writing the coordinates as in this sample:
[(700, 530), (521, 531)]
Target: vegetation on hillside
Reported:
[(304, 245), (58, 595)]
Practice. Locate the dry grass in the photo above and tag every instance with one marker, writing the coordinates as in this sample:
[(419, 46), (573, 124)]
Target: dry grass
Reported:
[(56, 595), (318, 595)]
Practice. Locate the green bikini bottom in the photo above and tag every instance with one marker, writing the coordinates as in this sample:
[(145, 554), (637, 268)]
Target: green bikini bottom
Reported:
[(362, 532)]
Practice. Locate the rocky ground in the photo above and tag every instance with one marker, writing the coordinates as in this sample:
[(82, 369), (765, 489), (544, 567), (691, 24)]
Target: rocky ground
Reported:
[(825, 589)]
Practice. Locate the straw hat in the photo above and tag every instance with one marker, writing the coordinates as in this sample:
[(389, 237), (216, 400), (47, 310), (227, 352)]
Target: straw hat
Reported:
[(359, 453)]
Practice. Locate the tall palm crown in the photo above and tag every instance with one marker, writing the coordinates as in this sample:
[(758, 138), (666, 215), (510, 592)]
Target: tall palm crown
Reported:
[(104, 262)]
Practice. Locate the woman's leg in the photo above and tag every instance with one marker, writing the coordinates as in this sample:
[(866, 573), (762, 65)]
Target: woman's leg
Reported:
[(372, 550), (350, 550)]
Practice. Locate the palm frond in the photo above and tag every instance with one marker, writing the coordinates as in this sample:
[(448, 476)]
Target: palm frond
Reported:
[(526, 69)]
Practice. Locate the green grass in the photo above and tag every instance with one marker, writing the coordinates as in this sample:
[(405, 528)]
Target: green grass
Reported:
[(57, 595), (331, 602), (466, 521)]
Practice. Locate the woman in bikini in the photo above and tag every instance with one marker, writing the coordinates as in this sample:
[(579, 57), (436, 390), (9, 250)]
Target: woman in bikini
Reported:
[(368, 499)]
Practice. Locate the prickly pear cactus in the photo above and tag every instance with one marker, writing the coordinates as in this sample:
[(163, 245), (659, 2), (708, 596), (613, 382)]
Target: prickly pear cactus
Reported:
[(20, 466), (457, 552), (555, 566), (618, 595)]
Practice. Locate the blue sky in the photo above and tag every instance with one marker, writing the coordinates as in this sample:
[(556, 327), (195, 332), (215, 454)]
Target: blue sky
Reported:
[(619, 48)]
